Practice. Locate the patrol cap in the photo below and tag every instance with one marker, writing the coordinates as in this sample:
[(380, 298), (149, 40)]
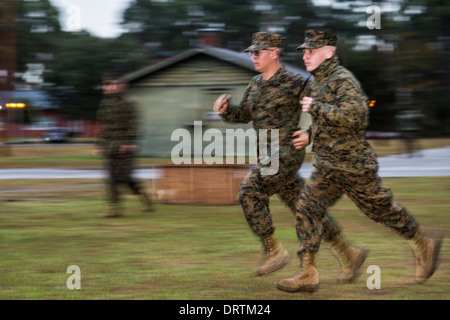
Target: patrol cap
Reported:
[(317, 39), (264, 40)]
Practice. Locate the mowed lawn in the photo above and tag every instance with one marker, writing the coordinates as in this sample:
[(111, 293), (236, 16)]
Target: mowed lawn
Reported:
[(188, 252), (193, 252)]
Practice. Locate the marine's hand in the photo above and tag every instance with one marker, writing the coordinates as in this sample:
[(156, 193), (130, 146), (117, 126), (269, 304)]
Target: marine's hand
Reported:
[(306, 103), (301, 139), (221, 104)]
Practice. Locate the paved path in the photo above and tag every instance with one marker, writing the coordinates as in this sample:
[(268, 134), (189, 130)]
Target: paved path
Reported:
[(429, 163)]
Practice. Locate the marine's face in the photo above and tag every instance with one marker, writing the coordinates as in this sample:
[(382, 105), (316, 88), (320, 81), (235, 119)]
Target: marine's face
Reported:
[(262, 59), (314, 57), (113, 88)]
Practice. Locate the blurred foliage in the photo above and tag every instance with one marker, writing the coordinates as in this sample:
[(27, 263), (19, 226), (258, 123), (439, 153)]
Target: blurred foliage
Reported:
[(405, 63), (75, 62)]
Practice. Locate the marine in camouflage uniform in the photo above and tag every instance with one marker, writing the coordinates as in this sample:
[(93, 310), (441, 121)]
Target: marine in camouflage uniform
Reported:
[(272, 104), (345, 163), (117, 121)]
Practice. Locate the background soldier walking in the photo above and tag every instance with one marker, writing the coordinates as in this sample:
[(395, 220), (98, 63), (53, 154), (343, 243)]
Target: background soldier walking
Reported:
[(117, 121)]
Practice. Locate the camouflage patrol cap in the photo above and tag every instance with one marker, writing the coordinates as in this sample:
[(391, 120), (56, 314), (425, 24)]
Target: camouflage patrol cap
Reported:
[(264, 40), (317, 39)]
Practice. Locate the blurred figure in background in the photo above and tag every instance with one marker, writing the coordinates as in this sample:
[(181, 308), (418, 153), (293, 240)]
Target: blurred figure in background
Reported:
[(344, 163), (118, 124), (409, 125)]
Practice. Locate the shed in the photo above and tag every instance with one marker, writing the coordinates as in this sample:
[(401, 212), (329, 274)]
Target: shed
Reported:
[(178, 93)]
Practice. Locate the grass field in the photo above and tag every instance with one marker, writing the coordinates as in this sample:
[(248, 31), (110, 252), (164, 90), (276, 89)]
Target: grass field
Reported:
[(184, 252)]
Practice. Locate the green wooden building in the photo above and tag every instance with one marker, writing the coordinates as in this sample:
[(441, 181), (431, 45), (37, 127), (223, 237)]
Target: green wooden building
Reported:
[(179, 93)]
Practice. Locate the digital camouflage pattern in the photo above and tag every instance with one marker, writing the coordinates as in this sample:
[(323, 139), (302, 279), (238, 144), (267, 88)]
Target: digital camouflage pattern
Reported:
[(344, 162), (264, 40), (118, 124), (117, 121), (323, 190), (340, 114), (317, 39), (272, 104)]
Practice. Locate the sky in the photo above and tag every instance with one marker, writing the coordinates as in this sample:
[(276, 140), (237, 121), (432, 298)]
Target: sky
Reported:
[(101, 18)]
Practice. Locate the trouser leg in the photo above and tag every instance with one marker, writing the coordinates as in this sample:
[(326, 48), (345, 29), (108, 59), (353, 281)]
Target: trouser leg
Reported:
[(290, 192), (290, 195), (256, 189), (113, 179), (312, 221), (254, 200), (254, 196), (376, 202), (126, 177), (125, 173)]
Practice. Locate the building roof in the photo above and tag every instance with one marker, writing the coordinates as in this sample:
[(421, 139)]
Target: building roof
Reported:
[(241, 59)]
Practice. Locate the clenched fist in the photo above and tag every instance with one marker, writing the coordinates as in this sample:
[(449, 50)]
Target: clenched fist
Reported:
[(221, 104), (301, 139), (306, 103)]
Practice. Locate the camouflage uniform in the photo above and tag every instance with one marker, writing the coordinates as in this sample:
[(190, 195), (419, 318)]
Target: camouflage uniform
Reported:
[(272, 104), (117, 120), (344, 162)]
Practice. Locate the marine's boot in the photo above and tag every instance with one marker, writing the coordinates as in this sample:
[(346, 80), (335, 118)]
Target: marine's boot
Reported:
[(305, 280), (350, 258), (147, 205), (276, 256), (426, 251)]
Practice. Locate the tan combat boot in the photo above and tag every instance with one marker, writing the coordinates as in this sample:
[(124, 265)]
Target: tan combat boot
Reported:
[(147, 205), (426, 251), (276, 256), (350, 258), (305, 280)]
